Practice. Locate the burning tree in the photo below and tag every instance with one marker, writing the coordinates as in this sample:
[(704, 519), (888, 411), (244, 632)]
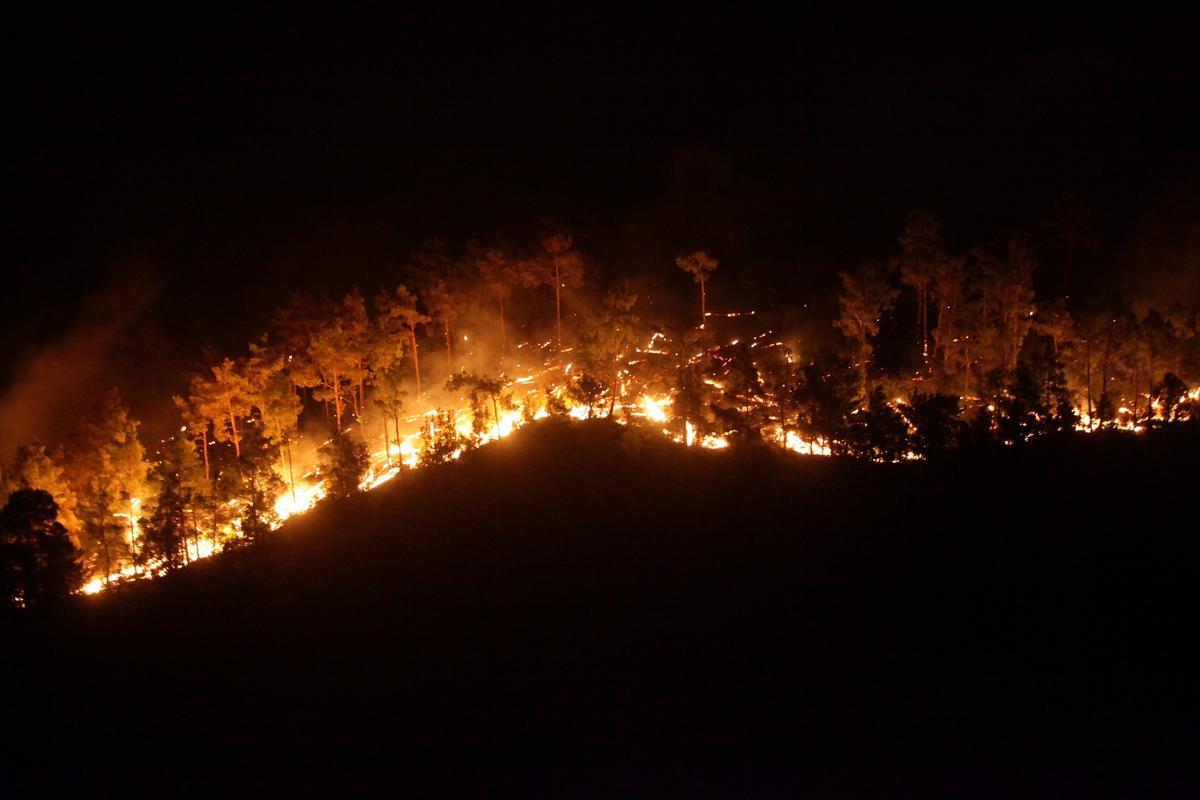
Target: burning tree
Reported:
[(693, 403), (195, 423), (230, 392), (560, 267), (344, 463), (275, 400), (825, 396), (866, 294), (389, 399), (699, 265), (334, 362), (478, 387), (499, 275), (167, 528), (359, 343), (608, 336), (440, 440), (1004, 370), (256, 486), (922, 254), (106, 469), (446, 303), (399, 318)]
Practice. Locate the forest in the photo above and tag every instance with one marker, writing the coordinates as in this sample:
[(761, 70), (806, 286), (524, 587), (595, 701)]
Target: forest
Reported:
[(932, 352)]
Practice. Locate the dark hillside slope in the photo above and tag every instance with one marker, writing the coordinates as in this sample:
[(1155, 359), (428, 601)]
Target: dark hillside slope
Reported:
[(583, 610)]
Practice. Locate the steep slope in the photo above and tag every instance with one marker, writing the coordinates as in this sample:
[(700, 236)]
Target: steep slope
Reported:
[(586, 609)]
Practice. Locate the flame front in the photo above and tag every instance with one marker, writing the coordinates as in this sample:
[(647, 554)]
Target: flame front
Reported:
[(529, 399)]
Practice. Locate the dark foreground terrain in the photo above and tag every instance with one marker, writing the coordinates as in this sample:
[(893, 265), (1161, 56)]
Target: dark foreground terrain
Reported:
[(582, 611)]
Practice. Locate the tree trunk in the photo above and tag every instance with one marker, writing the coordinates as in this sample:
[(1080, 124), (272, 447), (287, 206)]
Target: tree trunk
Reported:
[(612, 401), (399, 455), (237, 448), (107, 556), (361, 397), (287, 449), (1049, 407), (703, 303), (503, 333), (1104, 365), (943, 335), (133, 538), (862, 369), (196, 534), (1150, 384), (204, 446), (1135, 392), (362, 425), (449, 352), (1088, 372), (337, 401), (416, 361), (925, 322), (387, 445), (557, 307)]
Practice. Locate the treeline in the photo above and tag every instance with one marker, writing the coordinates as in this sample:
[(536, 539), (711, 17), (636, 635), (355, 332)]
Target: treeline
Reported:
[(981, 363), (980, 332)]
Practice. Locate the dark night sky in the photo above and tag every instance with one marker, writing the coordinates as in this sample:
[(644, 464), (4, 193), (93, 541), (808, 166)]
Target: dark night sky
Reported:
[(229, 161)]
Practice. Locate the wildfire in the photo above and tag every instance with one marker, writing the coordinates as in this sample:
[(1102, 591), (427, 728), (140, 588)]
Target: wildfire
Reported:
[(302, 499), (528, 399), (654, 408)]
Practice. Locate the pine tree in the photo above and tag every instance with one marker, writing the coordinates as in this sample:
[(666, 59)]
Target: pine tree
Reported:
[(257, 486), (607, 338), (276, 402), (934, 422), (400, 318), (440, 439), (34, 468), (922, 254), (39, 563), (692, 403), (699, 265), (446, 303), (478, 388), (739, 405), (866, 294), (331, 352), (825, 395), (344, 464), (878, 432), (165, 530), (499, 275), (359, 341), (229, 391), (389, 399), (106, 469), (559, 267)]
